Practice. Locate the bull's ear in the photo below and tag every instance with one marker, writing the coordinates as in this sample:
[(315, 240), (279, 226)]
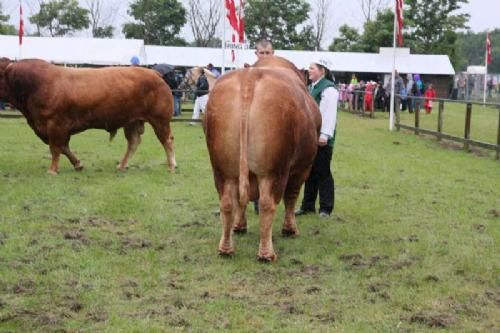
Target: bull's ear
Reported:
[(304, 75), (4, 62)]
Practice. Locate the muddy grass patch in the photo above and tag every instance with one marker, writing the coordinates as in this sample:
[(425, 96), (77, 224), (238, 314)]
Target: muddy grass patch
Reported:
[(432, 319), (357, 261)]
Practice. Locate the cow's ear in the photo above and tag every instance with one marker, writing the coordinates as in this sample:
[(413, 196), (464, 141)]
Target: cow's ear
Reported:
[(304, 75), (4, 62)]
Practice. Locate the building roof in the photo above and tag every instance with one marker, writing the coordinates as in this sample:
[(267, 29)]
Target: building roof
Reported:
[(70, 50), (94, 51)]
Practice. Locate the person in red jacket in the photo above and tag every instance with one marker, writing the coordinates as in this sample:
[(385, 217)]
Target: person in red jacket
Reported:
[(430, 95), (370, 86)]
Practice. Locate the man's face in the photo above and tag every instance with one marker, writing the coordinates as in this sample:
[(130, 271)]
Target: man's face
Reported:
[(263, 52)]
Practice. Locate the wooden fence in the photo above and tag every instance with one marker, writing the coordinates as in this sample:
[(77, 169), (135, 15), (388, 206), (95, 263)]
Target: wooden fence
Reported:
[(465, 140)]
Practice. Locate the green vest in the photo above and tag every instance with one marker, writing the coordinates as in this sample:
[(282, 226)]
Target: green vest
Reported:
[(316, 94)]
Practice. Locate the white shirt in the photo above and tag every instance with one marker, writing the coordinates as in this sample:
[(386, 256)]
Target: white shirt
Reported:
[(328, 109)]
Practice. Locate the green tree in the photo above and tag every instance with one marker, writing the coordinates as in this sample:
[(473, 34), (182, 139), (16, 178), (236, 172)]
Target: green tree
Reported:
[(471, 49), (5, 28), (158, 22), (281, 21), (103, 32), (348, 41), (378, 32), (60, 17), (432, 26)]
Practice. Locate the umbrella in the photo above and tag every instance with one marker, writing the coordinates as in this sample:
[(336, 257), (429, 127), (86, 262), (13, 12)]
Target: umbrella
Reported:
[(163, 68)]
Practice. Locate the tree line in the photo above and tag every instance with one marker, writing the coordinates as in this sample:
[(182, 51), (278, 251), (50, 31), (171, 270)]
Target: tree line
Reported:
[(431, 26)]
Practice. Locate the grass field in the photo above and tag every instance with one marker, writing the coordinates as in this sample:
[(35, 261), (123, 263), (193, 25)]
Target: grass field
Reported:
[(413, 245)]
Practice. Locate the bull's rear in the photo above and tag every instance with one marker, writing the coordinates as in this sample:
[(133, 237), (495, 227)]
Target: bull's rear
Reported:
[(261, 130)]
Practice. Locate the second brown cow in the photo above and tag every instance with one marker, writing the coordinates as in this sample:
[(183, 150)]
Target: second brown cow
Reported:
[(262, 131), (59, 102)]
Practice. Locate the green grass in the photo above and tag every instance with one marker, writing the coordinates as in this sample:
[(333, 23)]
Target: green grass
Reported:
[(413, 243), (484, 121)]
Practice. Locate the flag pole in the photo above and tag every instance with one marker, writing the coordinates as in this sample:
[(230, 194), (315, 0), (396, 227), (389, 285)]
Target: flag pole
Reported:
[(223, 68), (393, 75), (485, 69), (20, 55)]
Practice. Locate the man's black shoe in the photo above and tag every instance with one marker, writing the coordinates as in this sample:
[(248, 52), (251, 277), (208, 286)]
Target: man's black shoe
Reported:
[(301, 212)]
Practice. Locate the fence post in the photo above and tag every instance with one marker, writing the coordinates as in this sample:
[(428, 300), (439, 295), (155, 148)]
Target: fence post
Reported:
[(440, 120), (498, 136), (417, 121), (468, 115), (398, 113)]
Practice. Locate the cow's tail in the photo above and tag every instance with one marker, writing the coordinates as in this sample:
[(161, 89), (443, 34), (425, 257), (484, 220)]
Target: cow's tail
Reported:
[(247, 91)]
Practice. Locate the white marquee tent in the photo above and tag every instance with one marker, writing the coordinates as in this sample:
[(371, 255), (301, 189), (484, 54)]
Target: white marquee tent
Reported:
[(354, 62), (75, 51), (90, 51)]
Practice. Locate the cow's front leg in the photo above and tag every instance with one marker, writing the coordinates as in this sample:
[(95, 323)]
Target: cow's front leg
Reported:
[(58, 139), (54, 165), (72, 158)]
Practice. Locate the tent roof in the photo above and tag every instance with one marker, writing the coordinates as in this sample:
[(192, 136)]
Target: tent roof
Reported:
[(72, 50), (342, 61), (69, 50)]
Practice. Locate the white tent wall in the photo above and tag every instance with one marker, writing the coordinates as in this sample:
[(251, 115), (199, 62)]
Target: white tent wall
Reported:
[(342, 61), (75, 51), (103, 52)]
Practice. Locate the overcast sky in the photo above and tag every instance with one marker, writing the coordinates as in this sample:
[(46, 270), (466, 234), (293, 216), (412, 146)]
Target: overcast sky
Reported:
[(484, 15)]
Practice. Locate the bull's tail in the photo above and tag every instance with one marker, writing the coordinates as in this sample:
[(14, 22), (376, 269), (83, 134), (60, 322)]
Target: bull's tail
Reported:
[(247, 92)]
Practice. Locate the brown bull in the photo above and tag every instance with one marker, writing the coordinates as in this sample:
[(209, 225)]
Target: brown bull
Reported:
[(59, 102), (262, 131)]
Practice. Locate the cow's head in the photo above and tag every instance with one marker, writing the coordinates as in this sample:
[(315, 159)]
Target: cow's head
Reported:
[(4, 63)]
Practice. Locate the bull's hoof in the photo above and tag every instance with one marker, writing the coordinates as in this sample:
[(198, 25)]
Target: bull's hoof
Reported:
[(240, 230), (52, 172), (227, 253), (289, 232), (267, 258), (120, 167)]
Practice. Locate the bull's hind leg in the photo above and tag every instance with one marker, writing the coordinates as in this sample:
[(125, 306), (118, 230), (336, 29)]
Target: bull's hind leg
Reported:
[(133, 132), (228, 204), (164, 135), (292, 191), (269, 198), (71, 157)]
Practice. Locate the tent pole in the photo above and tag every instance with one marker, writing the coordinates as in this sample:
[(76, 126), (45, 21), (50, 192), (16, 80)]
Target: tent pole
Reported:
[(393, 75), (223, 13)]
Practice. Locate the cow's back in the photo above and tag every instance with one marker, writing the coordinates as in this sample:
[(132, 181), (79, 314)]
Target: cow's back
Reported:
[(106, 98)]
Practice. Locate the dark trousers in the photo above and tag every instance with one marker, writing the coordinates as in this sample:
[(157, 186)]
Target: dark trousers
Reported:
[(320, 181)]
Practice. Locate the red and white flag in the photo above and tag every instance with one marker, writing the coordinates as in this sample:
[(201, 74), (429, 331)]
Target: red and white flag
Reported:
[(236, 22), (241, 22), (21, 23), (488, 49), (400, 21)]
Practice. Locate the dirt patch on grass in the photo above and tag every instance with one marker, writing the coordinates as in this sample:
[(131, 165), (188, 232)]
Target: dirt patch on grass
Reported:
[(77, 235), (495, 213), (433, 319), (23, 287), (357, 261)]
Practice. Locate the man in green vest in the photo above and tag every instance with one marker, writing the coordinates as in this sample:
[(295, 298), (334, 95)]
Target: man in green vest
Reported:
[(321, 180)]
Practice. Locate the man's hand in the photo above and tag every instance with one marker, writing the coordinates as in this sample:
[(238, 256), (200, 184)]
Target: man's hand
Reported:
[(323, 140)]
